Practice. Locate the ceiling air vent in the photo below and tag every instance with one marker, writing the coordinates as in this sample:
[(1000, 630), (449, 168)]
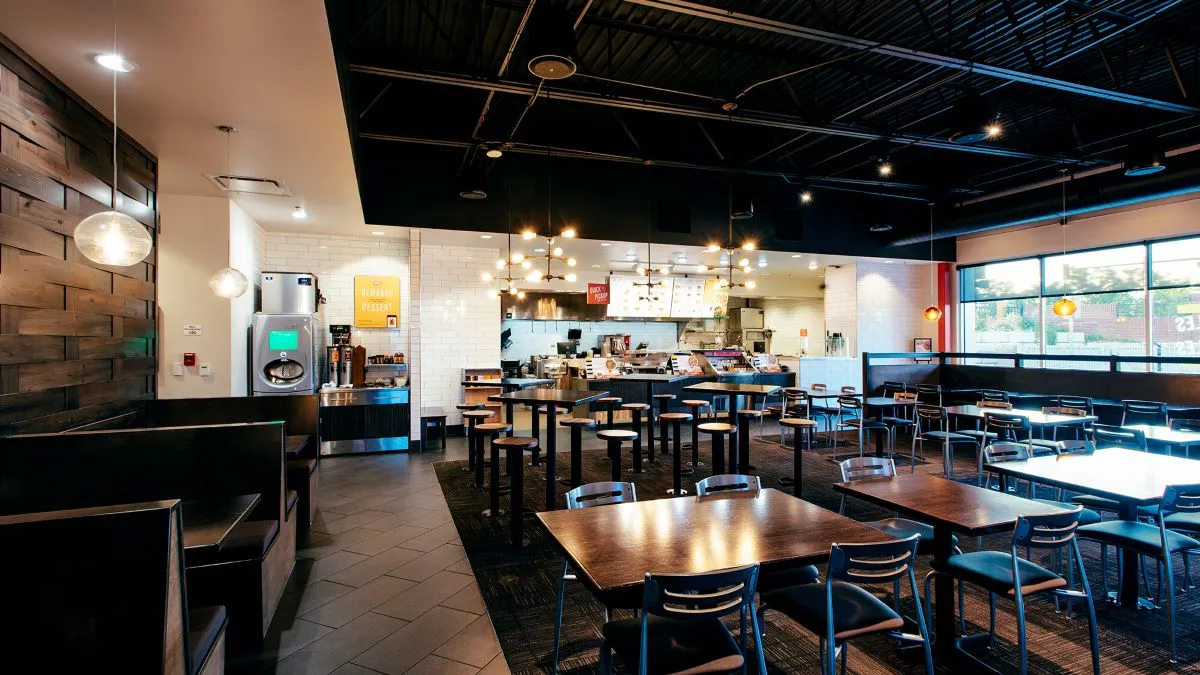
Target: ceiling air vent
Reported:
[(250, 185)]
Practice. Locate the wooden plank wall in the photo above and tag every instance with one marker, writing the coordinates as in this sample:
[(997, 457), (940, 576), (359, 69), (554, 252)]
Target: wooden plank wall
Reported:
[(77, 339)]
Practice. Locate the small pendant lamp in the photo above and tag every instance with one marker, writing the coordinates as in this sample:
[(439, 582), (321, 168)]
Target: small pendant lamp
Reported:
[(228, 282), (932, 313), (1064, 306)]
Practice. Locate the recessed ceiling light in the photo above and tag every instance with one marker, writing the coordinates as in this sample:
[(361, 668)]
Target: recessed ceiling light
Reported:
[(324, 247), (889, 261), (762, 263), (299, 213), (539, 250), (797, 255), (595, 266), (116, 62), (605, 244), (485, 236), (378, 233)]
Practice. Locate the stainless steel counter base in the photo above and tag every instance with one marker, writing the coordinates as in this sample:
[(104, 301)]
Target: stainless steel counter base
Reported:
[(332, 398), (364, 445), (359, 421)]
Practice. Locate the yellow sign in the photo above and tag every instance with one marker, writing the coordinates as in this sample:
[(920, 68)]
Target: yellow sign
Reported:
[(376, 302)]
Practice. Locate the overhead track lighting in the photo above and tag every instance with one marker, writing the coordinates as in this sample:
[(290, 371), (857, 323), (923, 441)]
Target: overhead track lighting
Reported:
[(551, 43)]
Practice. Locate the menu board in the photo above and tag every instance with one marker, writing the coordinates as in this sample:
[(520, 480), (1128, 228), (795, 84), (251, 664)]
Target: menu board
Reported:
[(626, 298), (699, 298)]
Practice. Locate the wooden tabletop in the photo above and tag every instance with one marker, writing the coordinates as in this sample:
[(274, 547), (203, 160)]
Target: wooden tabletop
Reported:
[(514, 382), (614, 546), (571, 397), (294, 444), (1128, 476), (885, 402), (1036, 418), (1167, 434), (207, 522), (940, 502), (826, 393), (734, 388), (649, 377)]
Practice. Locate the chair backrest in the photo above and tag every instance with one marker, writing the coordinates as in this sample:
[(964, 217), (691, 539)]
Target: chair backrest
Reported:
[(993, 395), (1003, 424), (1143, 412), (1077, 402), (997, 453), (849, 403), (848, 390), (1059, 410), (930, 412), (904, 396), (930, 393), (819, 387), (1108, 436), (692, 597), (1051, 530), (890, 389), (989, 403), (599, 494), (873, 563), (1179, 499), (1185, 425), (858, 468), (728, 482)]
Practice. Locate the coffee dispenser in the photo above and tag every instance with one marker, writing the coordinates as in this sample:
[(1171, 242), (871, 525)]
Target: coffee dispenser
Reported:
[(340, 355)]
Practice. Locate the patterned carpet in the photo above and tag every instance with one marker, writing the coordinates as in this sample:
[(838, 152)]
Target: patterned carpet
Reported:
[(519, 586)]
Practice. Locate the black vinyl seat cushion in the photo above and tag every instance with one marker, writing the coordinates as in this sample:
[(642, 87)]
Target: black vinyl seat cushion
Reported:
[(898, 421), (1140, 537), (204, 628), (775, 579), (676, 647), (992, 571), (855, 610), (865, 424), (903, 528), (1188, 522), (250, 540)]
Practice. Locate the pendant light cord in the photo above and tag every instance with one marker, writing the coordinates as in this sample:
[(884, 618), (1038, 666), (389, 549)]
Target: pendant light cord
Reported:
[(114, 105), (931, 266)]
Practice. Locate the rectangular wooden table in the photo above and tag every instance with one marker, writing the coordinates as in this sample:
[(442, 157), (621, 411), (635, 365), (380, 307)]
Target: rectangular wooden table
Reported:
[(552, 399), (1130, 477), (615, 546), (950, 507), (738, 392), (1036, 418), (508, 384), (208, 522), (1168, 437)]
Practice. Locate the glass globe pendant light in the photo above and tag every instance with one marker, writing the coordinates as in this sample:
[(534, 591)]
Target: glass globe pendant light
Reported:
[(931, 313), (1065, 306), (111, 237), (228, 282)]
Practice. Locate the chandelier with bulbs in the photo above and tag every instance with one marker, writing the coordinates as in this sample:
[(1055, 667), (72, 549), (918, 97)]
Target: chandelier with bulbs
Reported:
[(551, 254)]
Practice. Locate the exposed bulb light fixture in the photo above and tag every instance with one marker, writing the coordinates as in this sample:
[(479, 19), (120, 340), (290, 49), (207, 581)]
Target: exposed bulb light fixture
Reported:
[(299, 213), (517, 257), (806, 197), (568, 233), (115, 62), (571, 277), (557, 252), (527, 234), (486, 276), (994, 129), (228, 283), (571, 262), (749, 246), (493, 152), (751, 284), (973, 120), (713, 248), (525, 264), (744, 262), (885, 167)]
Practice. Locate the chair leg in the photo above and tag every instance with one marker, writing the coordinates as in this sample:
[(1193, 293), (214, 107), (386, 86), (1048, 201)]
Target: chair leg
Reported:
[(1093, 637), (605, 658), (1024, 655), (1171, 605), (991, 620), (562, 591)]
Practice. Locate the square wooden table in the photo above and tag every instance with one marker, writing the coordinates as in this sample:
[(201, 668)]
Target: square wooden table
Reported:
[(615, 546), (1130, 477), (949, 506), (738, 392), (208, 522)]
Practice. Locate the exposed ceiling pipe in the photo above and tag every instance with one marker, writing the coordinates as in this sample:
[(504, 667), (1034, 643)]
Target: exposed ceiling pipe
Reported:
[(762, 119), (859, 44), (512, 48)]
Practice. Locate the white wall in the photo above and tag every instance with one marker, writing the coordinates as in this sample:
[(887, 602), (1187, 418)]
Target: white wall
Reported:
[(891, 300), (841, 304), (459, 323), (192, 246), (336, 260), (787, 316), (1130, 225), (541, 337), (246, 251)]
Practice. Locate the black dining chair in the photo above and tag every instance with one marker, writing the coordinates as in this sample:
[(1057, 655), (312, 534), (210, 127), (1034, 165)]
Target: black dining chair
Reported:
[(867, 468), (850, 416), (1008, 574), (984, 435), (933, 425), (681, 628), (1185, 425), (1157, 541), (901, 417), (841, 609), (890, 389), (929, 394), (993, 395), (584, 496), (1143, 412), (1078, 402)]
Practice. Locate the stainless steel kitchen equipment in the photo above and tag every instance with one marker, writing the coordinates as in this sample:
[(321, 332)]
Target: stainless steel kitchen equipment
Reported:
[(745, 318), (284, 358), (289, 293)]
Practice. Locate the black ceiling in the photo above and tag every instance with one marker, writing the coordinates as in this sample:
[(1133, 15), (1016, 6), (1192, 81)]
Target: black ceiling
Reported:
[(1072, 82)]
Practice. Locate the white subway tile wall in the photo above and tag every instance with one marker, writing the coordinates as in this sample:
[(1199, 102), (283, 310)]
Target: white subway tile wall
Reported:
[(841, 304), (787, 317), (891, 300)]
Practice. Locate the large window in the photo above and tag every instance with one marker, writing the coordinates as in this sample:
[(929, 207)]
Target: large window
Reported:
[(1134, 300)]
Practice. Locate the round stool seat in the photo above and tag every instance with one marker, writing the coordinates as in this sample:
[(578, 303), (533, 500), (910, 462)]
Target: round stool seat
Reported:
[(493, 427), (616, 434), (635, 406), (469, 406), (665, 397), (585, 422), (718, 428), (694, 403), (609, 399), (479, 414), (682, 417), (750, 413), (522, 442), (797, 422)]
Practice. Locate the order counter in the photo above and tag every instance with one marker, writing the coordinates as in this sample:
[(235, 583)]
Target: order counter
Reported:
[(364, 419)]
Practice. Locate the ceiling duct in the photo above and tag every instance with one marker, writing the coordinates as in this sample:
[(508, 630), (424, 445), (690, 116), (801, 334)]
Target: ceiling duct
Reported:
[(250, 185)]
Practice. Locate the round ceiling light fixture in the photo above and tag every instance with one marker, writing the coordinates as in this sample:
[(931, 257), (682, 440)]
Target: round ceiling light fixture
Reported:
[(115, 62), (1144, 157), (881, 227), (551, 44), (973, 121), (1064, 307), (494, 152), (228, 282)]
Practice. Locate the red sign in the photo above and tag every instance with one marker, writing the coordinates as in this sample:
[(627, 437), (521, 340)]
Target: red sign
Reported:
[(597, 294)]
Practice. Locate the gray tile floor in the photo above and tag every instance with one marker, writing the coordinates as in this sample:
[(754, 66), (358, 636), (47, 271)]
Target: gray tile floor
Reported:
[(383, 585)]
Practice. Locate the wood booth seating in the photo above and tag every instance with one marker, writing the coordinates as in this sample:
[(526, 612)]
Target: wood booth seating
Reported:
[(50, 472), (103, 589)]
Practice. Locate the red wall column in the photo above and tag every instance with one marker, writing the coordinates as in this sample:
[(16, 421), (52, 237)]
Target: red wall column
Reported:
[(945, 337)]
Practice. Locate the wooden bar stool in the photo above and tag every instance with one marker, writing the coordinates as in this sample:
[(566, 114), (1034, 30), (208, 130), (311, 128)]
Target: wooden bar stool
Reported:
[(745, 419), (610, 404), (474, 418), (637, 409), (615, 437), (696, 405), (515, 448), (490, 431), (798, 425), (462, 408), (662, 402), (676, 420), (719, 431), (576, 425)]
